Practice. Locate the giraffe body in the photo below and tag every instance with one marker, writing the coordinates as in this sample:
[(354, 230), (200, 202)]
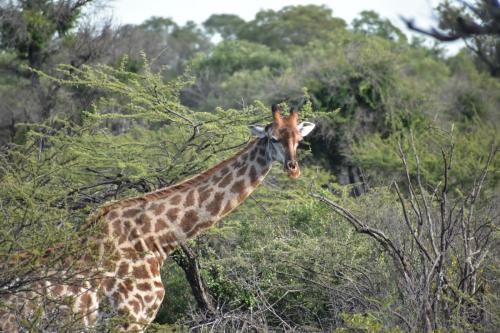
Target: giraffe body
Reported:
[(123, 278)]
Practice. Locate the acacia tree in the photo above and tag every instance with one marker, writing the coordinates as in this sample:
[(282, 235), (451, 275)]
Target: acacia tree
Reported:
[(63, 170)]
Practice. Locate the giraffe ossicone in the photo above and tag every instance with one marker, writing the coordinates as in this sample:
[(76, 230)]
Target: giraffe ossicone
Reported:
[(139, 233)]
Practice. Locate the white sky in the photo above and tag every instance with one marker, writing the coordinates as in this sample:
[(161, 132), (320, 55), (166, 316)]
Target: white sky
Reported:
[(136, 11)]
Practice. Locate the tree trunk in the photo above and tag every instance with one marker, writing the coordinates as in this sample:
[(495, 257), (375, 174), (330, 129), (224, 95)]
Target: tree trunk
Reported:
[(186, 258)]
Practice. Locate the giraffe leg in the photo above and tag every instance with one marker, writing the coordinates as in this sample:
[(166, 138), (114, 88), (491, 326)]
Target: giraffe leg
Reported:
[(142, 307), (132, 304)]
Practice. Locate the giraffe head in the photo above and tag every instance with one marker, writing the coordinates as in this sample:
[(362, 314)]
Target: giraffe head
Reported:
[(283, 136)]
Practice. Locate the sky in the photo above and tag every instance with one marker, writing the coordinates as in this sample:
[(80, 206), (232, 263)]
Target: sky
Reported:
[(136, 11)]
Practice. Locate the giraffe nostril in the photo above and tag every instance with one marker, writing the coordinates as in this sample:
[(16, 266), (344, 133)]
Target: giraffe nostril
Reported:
[(292, 165)]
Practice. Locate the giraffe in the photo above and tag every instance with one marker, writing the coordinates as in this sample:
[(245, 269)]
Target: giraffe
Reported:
[(122, 276)]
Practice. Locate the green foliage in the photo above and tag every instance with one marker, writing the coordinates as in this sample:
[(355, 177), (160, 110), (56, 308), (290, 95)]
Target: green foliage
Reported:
[(380, 158), (291, 26), (286, 253), (179, 300), (371, 23), (61, 170), (159, 24), (227, 25), (281, 259), (364, 323), (233, 56), (28, 27)]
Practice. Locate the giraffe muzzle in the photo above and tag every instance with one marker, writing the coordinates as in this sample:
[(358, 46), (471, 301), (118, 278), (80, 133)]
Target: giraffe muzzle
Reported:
[(292, 169)]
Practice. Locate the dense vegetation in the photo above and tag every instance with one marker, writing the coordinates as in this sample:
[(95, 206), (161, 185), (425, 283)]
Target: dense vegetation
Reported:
[(393, 225)]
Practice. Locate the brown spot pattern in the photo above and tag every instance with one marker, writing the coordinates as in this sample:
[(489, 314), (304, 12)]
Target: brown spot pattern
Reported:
[(146, 227), (122, 269), (168, 238), (151, 244), (135, 305), (253, 154), (140, 272), (85, 302), (199, 227), (161, 224), (154, 267), (238, 187), (159, 209), (130, 253), (123, 290), (226, 180), (215, 179), (223, 171), (134, 234), (172, 214), (253, 176), (138, 247), (117, 228), (204, 194), (129, 285), (112, 215), (108, 284), (127, 225), (189, 199), (261, 161), (190, 218), (176, 199), (140, 299), (215, 205), (144, 286), (242, 170), (117, 297), (144, 221), (131, 212), (73, 289)]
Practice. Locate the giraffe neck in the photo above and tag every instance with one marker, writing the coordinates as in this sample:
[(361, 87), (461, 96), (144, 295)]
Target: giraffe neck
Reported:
[(226, 186), (160, 220)]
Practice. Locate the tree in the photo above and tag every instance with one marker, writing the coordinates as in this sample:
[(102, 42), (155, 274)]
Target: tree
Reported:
[(38, 34), (29, 27), (290, 26), (229, 59), (136, 138), (477, 24), (167, 44), (227, 25), (371, 23)]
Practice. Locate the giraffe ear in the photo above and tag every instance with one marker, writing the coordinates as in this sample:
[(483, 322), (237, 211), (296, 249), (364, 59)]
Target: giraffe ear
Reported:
[(305, 128), (258, 131)]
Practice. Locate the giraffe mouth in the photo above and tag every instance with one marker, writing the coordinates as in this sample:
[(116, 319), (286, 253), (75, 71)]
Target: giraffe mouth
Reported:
[(292, 169)]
